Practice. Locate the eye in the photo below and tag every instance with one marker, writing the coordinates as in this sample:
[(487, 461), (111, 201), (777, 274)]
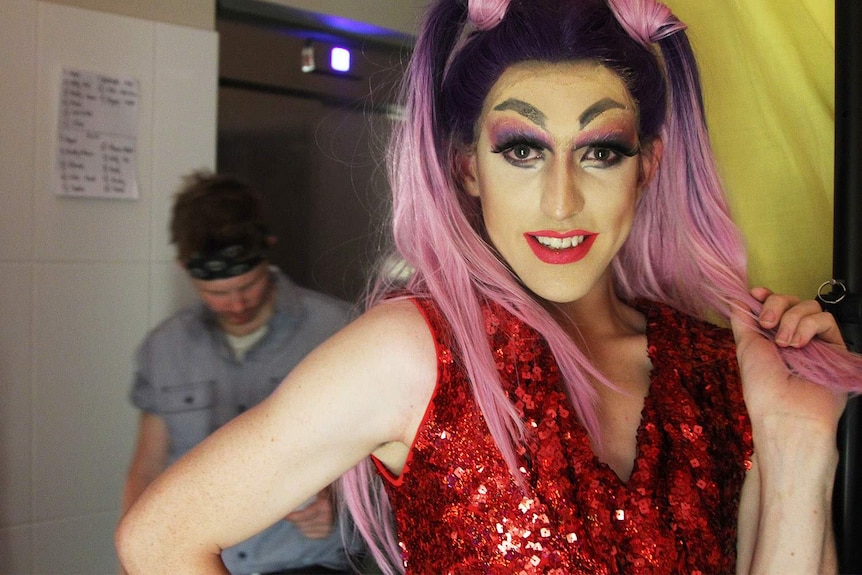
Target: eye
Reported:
[(521, 154), (606, 155), (601, 155)]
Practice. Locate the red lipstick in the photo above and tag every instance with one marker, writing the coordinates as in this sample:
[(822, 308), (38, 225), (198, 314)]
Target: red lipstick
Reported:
[(577, 245)]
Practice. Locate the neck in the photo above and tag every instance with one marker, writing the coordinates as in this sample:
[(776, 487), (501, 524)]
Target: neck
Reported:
[(599, 315), (612, 335)]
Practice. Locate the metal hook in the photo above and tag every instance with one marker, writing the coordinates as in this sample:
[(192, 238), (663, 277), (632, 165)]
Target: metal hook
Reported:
[(828, 298)]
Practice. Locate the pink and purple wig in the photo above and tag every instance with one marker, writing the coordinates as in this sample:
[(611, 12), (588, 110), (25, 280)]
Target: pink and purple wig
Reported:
[(683, 250)]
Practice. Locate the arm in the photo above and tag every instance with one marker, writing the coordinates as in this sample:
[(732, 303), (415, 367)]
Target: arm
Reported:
[(785, 520), (785, 511), (149, 459), (365, 388)]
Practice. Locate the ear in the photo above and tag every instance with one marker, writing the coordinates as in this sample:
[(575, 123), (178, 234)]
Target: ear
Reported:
[(465, 171), (650, 159)]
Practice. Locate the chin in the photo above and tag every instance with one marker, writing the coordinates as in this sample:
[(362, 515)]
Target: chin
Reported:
[(557, 295)]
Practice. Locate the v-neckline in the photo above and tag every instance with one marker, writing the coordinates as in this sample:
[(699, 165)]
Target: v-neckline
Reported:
[(647, 411), (640, 438)]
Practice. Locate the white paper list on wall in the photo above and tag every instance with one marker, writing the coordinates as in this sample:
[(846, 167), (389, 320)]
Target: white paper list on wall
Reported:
[(97, 136)]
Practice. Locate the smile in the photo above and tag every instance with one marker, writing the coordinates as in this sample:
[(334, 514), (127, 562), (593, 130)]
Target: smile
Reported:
[(555, 248), (560, 243)]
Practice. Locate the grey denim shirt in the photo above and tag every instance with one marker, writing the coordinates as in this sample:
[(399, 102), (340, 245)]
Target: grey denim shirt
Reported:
[(186, 374)]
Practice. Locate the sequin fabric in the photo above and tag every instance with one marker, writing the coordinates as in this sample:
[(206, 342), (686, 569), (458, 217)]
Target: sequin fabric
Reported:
[(459, 510)]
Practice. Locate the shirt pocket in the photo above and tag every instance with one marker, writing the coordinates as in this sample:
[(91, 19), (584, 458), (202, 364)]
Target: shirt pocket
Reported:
[(188, 396), (187, 409)]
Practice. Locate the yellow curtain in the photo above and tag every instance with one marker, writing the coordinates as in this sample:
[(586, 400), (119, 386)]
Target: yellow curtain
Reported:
[(768, 76)]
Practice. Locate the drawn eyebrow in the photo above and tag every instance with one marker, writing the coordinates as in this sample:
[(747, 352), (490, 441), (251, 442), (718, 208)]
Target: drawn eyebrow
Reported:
[(598, 108), (523, 108)]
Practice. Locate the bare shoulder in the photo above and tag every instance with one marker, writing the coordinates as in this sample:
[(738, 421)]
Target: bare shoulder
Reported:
[(387, 327), (382, 367), (399, 325), (407, 344), (389, 334)]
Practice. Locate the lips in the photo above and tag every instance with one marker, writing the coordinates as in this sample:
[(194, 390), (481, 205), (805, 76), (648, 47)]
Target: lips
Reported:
[(556, 248)]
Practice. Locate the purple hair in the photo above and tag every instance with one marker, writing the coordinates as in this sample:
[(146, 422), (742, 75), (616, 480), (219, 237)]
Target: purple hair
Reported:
[(683, 249)]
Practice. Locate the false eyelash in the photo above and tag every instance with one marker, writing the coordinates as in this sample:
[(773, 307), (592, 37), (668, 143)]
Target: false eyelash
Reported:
[(509, 143), (617, 146)]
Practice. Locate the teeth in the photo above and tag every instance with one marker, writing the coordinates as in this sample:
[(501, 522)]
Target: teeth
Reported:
[(560, 243)]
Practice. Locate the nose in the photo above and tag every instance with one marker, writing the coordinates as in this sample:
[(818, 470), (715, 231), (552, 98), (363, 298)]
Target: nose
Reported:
[(562, 198)]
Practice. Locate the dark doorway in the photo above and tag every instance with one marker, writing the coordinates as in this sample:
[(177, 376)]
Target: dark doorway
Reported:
[(313, 143)]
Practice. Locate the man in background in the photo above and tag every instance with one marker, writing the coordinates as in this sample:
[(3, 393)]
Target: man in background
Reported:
[(211, 361)]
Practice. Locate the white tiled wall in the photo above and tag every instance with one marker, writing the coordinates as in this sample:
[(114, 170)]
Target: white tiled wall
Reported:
[(18, 120), (85, 312), (16, 393), (82, 280)]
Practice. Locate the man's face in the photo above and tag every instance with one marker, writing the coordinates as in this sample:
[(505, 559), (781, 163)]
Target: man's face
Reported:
[(558, 172), (242, 303)]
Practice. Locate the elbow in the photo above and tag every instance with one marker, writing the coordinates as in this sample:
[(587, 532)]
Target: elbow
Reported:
[(146, 542), (137, 547), (125, 541)]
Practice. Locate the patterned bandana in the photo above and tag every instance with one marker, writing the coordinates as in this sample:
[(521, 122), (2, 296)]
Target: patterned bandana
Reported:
[(224, 263)]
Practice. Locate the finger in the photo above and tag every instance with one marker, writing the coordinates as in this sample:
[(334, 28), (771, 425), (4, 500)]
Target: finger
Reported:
[(317, 532), (760, 293), (821, 325), (775, 307), (315, 527), (308, 512), (320, 507), (317, 524), (787, 331)]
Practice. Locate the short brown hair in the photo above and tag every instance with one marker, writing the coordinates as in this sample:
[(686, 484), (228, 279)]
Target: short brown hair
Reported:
[(213, 211)]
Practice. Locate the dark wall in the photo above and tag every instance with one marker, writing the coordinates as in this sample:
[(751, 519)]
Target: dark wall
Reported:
[(314, 144)]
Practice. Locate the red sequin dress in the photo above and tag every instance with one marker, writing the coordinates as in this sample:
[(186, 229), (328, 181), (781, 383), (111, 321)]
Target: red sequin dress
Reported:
[(458, 509)]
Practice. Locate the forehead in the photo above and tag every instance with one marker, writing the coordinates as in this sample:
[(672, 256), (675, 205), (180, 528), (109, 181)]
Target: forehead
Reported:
[(571, 86)]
